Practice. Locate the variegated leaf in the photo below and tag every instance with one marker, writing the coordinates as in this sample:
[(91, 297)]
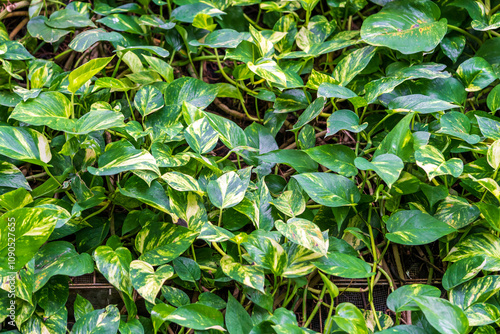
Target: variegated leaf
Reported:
[(146, 280)]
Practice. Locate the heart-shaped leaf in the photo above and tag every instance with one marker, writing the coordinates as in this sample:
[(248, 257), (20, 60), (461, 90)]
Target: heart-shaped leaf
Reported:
[(344, 120), (406, 26), (414, 227), (476, 74), (456, 124), (432, 161), (343, 265), (148, 100), (329, 189), (304, 233), (247, 275), (387, 166), (114, 264), (402, 298), (443, 315), (24, 144), (146, 280), (227, 191)]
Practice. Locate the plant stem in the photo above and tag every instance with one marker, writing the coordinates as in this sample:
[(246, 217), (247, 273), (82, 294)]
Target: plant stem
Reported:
[(316, 308), (466, 33)]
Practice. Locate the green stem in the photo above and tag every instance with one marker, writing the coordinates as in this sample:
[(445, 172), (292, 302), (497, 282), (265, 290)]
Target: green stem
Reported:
[(221, 69), (130, 106), (218, 249), (466, 33), (220, 217), (316, 308)]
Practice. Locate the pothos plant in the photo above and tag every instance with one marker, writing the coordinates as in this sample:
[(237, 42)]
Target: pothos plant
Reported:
[(220, 162)]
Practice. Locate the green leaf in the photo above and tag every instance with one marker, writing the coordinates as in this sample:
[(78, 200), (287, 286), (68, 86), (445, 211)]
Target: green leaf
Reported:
[(122, 156), (182, 182), (268, 69), (229, 133), (223, 38), (387, 166), (160, 243), (161, 67), (267, 253), (421, 103), (98, 322), (148, 100), (432, 161), (227, 191), (146, 280), (343, 265), (53, 109), (187, 269), (476, 291), (350, 319), (462, 271), (344, 120), (338, 158), (443, 315), (238, 321), (298, 160), (329, 189), (197, 317), (456, 212), (351, 65), (478, 244), (493, 100), (186, 13), (37, 323), (12, 177), (24, 144), (86, 39), (68, 18), (476, 74), (78, 77), (406, 26), (402, 298), (481, 314), (330, 90), (399, 141), (159, 51), (153, 195), (247, 275), (304, 233), (116, 85), (317, 78), (60, 258), (290, 202), (399, 75), (414, 227), (122, 22), (491, 214), (489, 127), (200, 136), (133, 326), (38, 28), (453, 46), (30, 228), (404, 329), (493, 154), (114, 264), (53, 296), (81, 307), (311, 112), (456, 124)]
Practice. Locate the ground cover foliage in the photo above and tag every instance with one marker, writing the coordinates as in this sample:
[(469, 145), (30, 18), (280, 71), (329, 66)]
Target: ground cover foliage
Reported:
[(221, 162)]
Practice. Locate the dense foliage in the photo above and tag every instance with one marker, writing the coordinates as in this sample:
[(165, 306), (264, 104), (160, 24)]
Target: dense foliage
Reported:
[(220, 162)]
